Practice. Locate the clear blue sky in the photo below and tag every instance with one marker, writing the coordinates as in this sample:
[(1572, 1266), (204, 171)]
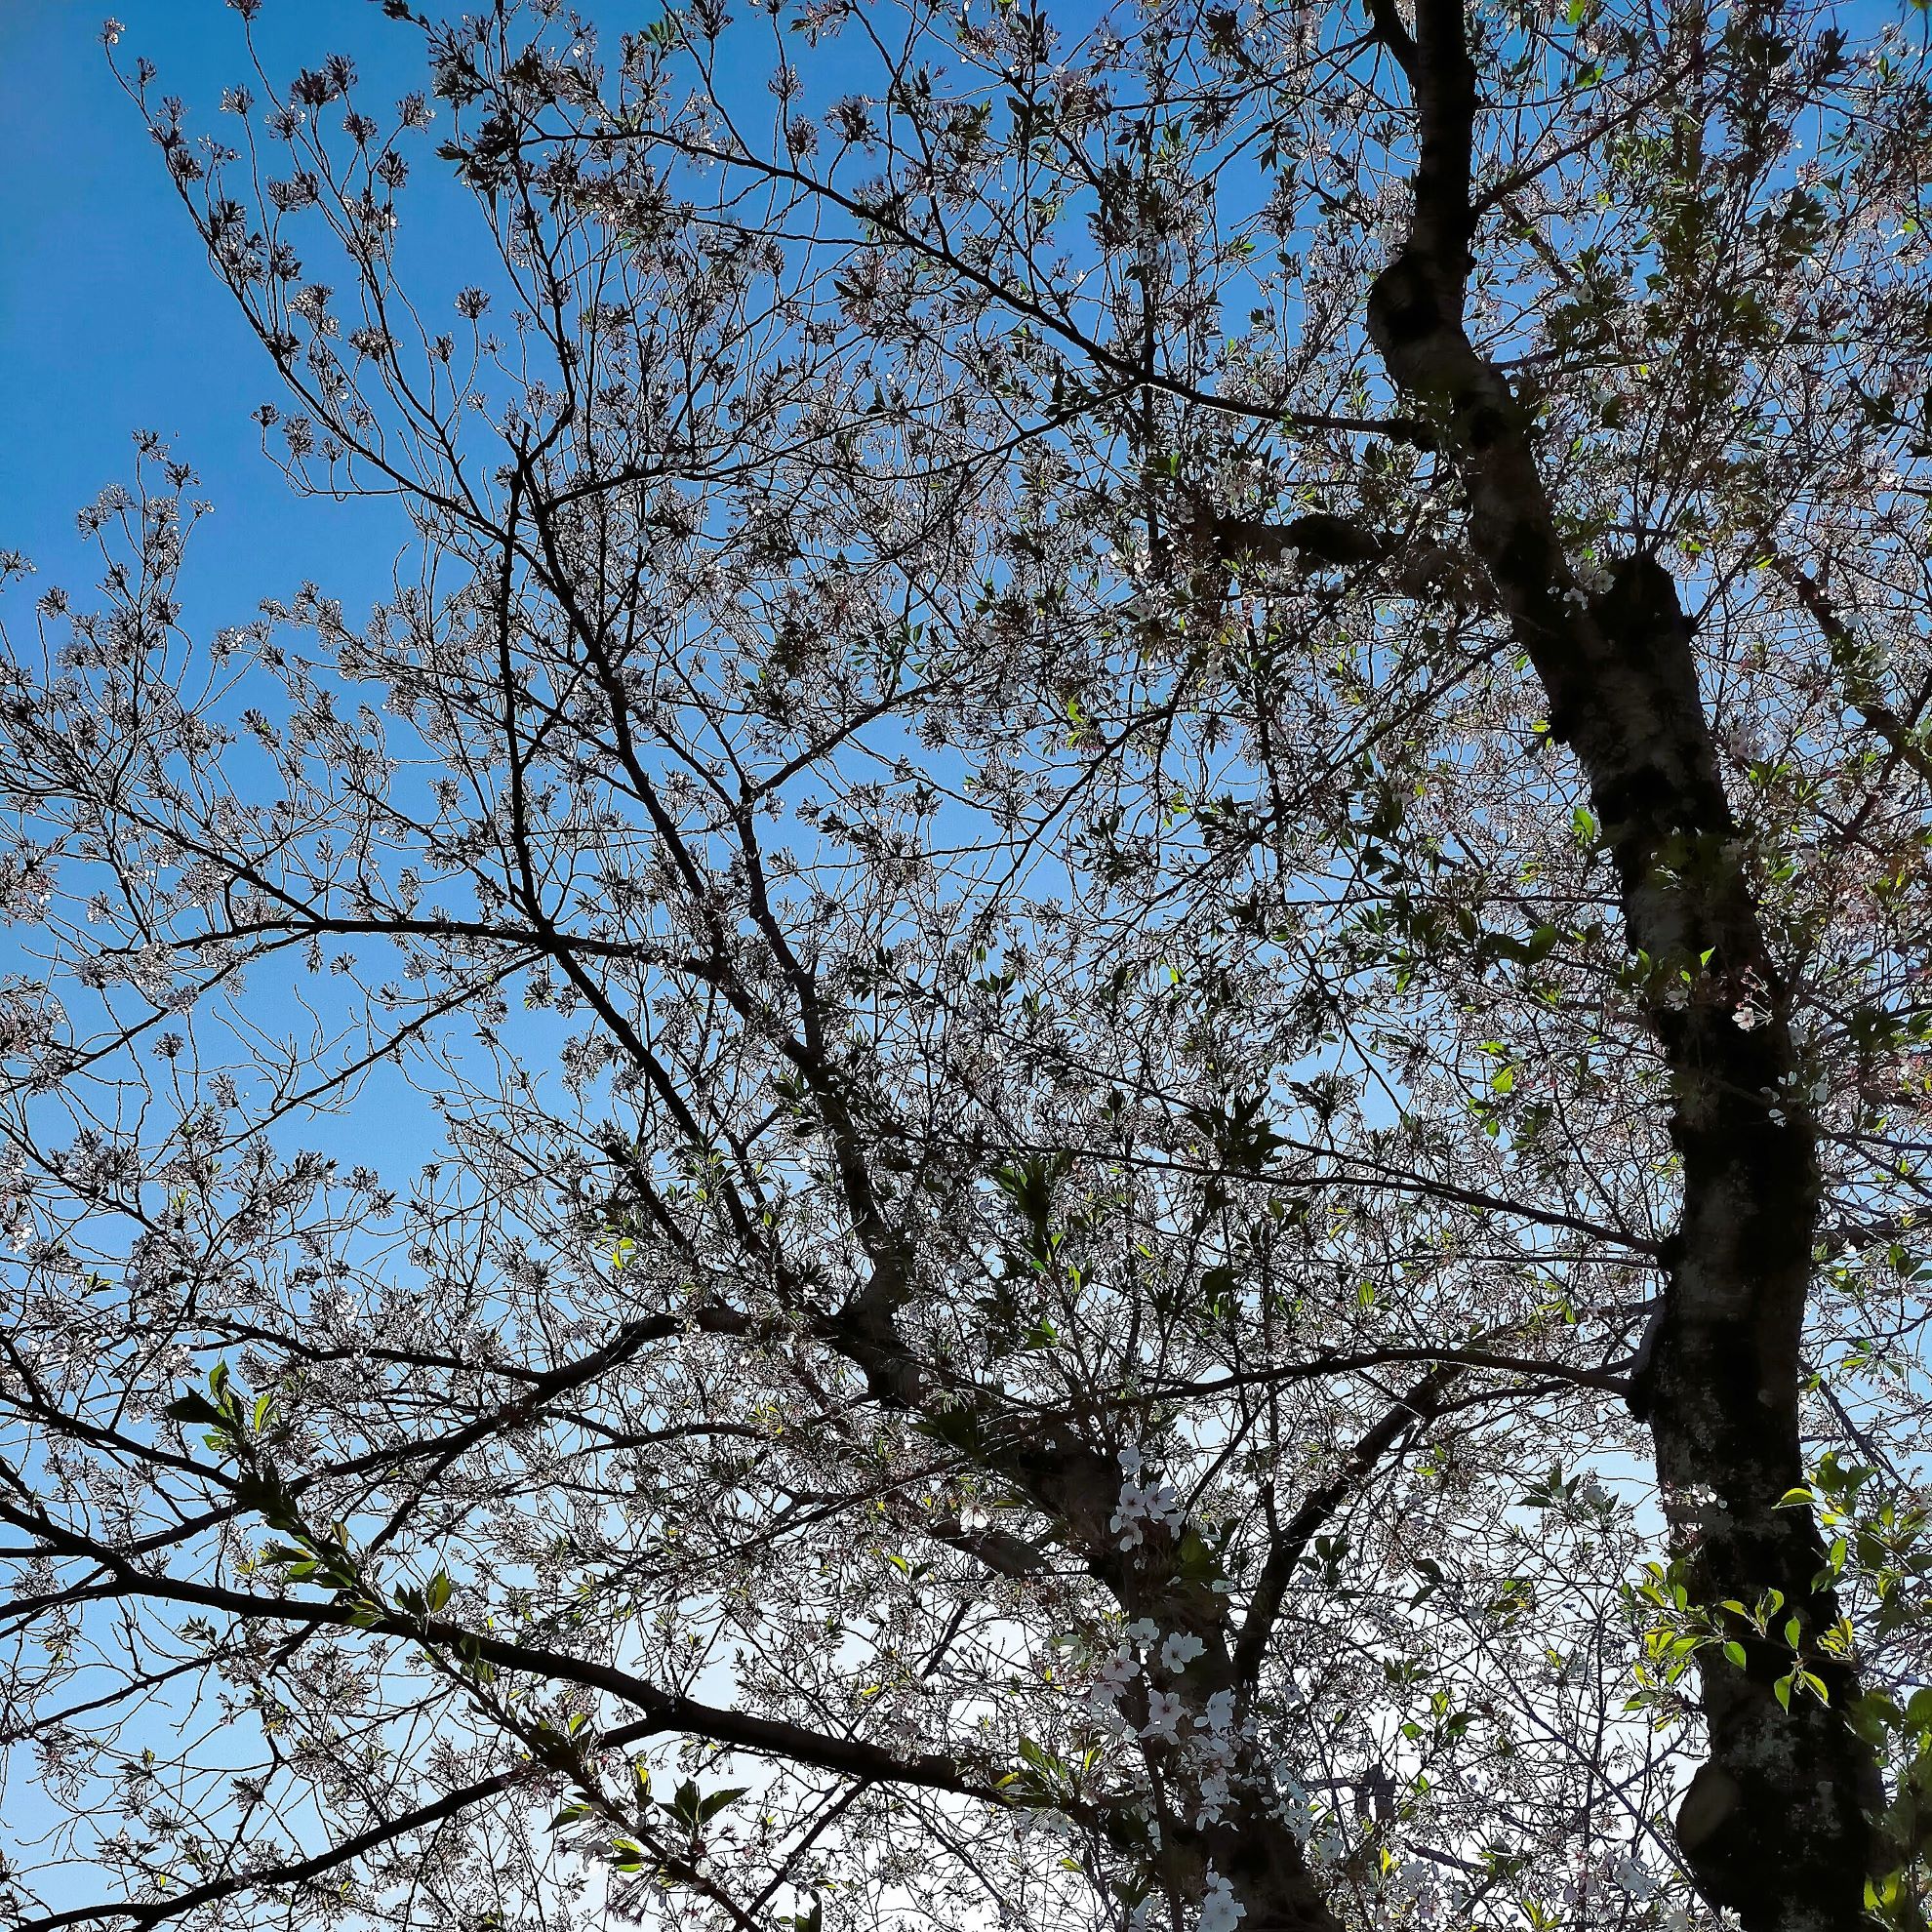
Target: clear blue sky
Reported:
[(110, 318)]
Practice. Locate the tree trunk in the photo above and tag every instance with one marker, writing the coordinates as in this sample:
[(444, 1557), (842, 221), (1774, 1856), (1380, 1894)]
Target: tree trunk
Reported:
[(1774, 1826)]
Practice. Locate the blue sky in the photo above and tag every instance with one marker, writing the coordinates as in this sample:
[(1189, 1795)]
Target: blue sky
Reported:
[(110, 319)]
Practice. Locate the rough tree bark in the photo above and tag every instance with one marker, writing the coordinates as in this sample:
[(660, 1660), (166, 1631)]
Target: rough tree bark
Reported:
[(1774, 1824)]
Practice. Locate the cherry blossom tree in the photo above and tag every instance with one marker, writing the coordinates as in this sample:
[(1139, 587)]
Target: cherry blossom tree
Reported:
[(1139, 850)]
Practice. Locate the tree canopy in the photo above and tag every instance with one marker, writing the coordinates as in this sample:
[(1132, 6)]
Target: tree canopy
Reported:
[(1141, 845)]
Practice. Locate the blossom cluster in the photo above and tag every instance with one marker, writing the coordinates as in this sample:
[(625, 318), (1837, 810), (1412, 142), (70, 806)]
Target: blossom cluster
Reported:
[(1143, 1504)]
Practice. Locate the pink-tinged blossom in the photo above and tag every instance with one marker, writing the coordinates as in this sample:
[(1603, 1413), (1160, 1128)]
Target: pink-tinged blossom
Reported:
[(1220, 1910), (1163, 1717)]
